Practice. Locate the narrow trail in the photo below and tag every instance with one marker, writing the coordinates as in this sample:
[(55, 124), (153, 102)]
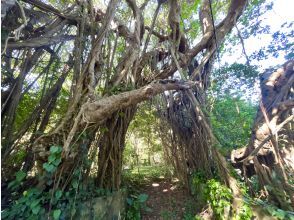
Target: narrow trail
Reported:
[(167, 200)]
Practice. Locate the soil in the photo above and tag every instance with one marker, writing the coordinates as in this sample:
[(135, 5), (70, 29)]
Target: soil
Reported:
[(167, 201)]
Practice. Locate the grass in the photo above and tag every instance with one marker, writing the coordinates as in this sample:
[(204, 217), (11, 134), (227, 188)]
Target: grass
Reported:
[(142, 174)]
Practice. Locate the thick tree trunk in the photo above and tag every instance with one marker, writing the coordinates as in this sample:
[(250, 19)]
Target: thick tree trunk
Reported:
[(264, 150), (85, 108), (111, 146)]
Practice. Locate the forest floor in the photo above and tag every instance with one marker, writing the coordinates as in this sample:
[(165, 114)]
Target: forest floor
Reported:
[(167, 200)]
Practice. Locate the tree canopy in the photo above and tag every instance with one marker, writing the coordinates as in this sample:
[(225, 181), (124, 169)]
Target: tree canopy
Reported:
[(81, 78)]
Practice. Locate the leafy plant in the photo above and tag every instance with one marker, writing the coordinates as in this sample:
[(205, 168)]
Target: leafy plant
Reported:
[(218, 196), (191, 208), (274, 211), (54, 159), (19, 177), (197, 185), (31, 203), (231, 120), (135, 205), (28, 206), (245, 213)]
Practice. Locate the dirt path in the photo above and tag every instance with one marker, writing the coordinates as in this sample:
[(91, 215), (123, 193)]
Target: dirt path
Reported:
[(167, 200)]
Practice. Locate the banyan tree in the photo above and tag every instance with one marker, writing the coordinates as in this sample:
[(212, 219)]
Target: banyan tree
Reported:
[(82, 67), (268, 153)]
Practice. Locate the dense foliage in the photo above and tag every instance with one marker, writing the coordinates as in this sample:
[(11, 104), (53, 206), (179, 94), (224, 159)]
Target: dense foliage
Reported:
[(101, 96), (231, 119)]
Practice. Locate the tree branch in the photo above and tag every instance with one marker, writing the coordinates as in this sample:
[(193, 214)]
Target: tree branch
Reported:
[(102, 109), (39, 42)]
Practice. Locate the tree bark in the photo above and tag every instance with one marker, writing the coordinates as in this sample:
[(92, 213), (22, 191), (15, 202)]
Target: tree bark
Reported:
[(264, 150), (111, 146), (8, 113)]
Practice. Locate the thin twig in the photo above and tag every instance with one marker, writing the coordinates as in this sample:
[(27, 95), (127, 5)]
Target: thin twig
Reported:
[(243, 44)]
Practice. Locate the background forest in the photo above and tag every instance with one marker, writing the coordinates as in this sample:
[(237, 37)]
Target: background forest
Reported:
[(167, 109)]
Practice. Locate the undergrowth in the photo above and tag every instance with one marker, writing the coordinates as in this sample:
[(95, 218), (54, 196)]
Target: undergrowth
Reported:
[(37, 203), (217, 196), (135, 204)]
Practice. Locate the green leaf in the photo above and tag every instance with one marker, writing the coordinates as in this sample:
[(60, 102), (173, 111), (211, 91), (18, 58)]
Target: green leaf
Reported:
[(58, 194), (32, 217), (20, 175), (73, 211), (4, 214), (75, 184), (49, 182), (36, 210), (12, 184), (49, 167), (51, 158), (55, 149), (57, 162), (34, 203), (280, 214), (130, 201), (143, 197), (56, 213)]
